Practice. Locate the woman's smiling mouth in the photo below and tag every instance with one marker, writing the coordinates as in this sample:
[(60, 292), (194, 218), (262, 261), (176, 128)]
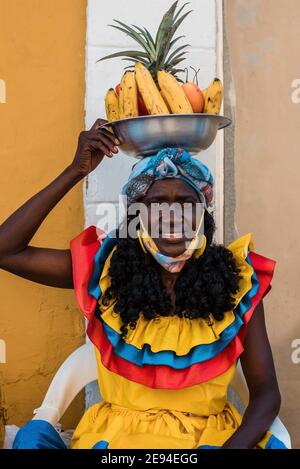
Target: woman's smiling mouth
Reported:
[(172, 235)]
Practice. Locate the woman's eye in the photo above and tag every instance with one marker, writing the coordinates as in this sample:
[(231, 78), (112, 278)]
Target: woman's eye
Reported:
[(191, 201), (156, 202)]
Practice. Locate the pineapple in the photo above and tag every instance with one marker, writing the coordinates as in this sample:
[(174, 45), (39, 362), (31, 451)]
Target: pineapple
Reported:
[(154, 55)]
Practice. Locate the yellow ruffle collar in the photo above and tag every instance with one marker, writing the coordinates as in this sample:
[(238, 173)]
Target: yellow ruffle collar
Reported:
[(174, 333)]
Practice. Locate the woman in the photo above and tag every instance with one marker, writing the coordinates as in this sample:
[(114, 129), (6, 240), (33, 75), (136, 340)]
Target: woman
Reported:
[(169, 315)]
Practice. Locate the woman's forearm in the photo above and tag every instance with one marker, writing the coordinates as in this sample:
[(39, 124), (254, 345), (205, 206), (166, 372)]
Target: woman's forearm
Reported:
[(259, 415), (19, 228), (47, 265)]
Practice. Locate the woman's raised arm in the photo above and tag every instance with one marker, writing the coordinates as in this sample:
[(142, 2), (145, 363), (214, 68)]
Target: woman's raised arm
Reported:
[(51, 267)]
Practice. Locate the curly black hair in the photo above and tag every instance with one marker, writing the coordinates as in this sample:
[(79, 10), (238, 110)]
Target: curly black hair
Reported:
[(204, 286)]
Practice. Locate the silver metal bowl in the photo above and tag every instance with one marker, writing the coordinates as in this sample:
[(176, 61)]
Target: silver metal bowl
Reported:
[(145, 135)]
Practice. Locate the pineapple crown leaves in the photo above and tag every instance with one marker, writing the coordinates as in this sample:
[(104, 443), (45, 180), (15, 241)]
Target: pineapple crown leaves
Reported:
[(166, 31), (155, 52)]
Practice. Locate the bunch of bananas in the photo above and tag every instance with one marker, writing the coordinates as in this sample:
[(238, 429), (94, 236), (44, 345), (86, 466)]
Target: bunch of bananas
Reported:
[(138, 89)]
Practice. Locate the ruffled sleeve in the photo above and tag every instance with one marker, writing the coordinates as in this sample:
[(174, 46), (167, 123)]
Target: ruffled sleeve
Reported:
[(262, 274), (89, 250), (83, 249)]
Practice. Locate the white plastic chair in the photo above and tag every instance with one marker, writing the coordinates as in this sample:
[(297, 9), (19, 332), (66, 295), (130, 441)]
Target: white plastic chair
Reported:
[(80, 369)]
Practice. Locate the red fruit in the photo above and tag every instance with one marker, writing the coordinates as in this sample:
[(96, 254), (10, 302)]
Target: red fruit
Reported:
[(141, 105)]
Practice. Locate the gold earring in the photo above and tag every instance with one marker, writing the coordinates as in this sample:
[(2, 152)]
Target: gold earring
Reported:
[(141, 241), (201, 249)]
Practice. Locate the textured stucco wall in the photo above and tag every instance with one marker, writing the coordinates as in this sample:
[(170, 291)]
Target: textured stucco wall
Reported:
[(42, 50), (263, 42)]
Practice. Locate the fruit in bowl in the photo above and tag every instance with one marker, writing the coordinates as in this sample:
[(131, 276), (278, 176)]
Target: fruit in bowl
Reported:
[(151, 84)]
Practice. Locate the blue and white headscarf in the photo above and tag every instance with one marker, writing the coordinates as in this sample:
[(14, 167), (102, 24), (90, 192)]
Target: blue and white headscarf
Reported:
[(170, 163)]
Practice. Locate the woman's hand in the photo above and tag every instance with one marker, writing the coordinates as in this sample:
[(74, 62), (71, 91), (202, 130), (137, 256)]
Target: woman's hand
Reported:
[(93, 144)]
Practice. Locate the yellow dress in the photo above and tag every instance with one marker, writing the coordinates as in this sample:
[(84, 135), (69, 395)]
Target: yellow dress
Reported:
[(166, 384)]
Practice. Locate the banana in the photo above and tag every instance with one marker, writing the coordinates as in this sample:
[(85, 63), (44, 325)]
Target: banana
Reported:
[(153, 100), (112, 105), (173, 93), (214, 97), (128, 96), (166, 102)]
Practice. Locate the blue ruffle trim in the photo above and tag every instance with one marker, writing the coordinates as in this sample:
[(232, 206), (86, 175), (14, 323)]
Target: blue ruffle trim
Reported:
[(145, 356)]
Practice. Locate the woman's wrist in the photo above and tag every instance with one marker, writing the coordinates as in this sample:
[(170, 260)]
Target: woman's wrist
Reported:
[(232, 444), (74, 173), (245, 437)]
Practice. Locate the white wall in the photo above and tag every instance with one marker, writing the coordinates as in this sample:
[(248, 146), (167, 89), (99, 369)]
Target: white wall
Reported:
[(201, 30)]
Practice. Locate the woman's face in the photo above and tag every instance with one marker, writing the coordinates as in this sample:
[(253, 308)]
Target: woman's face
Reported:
[(171, 230)]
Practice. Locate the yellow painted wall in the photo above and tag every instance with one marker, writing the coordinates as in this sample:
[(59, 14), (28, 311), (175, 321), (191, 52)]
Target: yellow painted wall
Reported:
[(42, 61), (263, 39)]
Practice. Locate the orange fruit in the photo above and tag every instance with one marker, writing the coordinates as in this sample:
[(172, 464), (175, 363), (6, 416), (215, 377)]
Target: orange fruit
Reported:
[(194, 95)]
